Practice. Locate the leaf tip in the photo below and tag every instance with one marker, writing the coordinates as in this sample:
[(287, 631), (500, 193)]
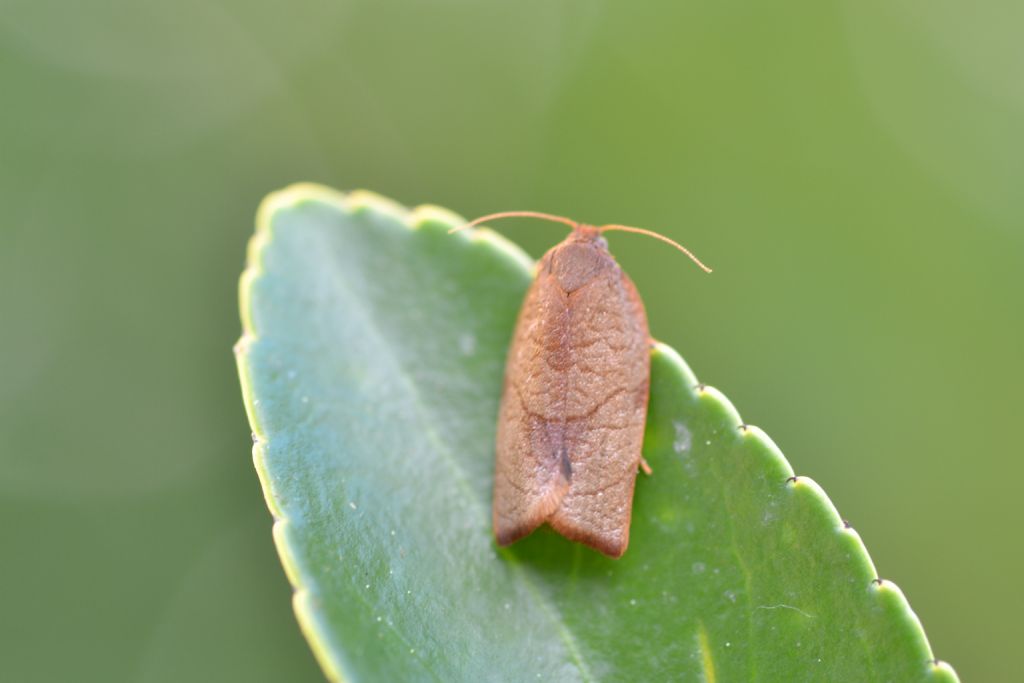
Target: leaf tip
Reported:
[(292, 196)]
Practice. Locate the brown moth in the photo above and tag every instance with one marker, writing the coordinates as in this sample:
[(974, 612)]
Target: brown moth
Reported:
[(574, 403)]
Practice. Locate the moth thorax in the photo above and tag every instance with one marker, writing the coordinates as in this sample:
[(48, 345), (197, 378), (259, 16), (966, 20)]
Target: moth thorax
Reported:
[(576, 263)]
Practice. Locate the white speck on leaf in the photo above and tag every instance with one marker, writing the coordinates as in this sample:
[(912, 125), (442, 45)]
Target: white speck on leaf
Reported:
[(683, 439), (698, 567), (467, 344)]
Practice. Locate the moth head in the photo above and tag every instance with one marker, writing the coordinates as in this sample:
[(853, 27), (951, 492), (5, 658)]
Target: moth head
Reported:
[(589, 234), (582, 257)]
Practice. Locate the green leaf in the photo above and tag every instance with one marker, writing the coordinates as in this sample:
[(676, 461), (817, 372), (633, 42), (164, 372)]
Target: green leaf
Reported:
[(371, 366)]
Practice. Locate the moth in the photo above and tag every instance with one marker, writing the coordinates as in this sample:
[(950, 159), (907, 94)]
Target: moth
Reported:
[(574, 401)]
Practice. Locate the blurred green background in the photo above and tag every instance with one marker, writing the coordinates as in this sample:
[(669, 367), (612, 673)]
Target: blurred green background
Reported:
[(852, 171)]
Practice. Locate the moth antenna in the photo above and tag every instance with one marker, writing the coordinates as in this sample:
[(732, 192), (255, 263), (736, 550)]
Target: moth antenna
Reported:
[(516, 214), (658, 236)]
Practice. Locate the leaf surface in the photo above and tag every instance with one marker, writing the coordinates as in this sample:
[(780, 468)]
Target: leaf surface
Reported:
[(372, 361)]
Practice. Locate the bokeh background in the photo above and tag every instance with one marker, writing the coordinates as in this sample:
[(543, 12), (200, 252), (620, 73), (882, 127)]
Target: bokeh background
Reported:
[(852, 171)]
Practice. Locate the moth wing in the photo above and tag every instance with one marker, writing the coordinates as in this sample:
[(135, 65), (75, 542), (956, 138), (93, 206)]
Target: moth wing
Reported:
[(610, 381), (530, 472)]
